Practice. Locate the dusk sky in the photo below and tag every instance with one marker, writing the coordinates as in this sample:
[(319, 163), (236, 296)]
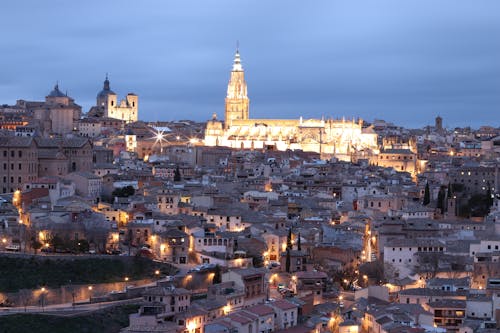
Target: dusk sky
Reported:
[(402, 61)]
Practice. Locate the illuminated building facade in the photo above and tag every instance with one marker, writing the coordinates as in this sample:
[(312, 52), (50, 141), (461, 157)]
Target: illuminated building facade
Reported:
[(329, 137), (108, 106)]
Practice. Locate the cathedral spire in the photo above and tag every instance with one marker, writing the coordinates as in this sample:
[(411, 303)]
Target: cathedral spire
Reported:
[(237, 61), (237, 102)]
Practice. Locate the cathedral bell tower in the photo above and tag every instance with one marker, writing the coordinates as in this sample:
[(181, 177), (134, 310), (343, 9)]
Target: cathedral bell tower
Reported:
[(237, 102)]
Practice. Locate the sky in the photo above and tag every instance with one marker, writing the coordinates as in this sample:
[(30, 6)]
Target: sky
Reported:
[(402, 61)]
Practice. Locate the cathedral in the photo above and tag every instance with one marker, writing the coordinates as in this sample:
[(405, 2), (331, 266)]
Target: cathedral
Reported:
[(331, 138)]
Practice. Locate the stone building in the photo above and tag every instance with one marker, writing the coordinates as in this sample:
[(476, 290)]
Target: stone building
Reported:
[(109, 107), (69, 154), (399, 154), (19, 162), (58, 114), (339, 138)]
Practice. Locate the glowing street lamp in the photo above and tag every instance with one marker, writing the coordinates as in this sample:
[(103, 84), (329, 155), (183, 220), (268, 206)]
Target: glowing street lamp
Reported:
[(42, 298)]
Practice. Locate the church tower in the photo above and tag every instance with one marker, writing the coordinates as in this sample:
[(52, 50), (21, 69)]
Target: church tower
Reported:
[(106, 99), (237, 102)]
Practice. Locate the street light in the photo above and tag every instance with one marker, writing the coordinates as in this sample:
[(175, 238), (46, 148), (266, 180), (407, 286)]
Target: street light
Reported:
[(42, 298), (90, 293)]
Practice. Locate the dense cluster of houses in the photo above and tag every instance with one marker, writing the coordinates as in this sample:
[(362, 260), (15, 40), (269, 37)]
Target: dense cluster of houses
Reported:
[(303, 244)]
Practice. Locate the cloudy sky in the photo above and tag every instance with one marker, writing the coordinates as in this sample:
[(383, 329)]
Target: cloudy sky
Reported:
[(403, 61)]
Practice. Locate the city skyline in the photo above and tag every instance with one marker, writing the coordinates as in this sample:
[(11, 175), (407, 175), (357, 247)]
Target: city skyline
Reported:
[(405, 63)]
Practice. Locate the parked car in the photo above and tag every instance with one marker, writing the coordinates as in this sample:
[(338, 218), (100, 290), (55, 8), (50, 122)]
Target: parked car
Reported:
[(13, 247), (194, 270)]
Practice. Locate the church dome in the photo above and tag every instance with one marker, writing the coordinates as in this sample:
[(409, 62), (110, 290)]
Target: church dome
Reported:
[(56, 92), (105, 90)]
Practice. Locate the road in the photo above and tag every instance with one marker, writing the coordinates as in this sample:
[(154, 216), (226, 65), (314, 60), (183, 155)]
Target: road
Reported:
[(67, 309)]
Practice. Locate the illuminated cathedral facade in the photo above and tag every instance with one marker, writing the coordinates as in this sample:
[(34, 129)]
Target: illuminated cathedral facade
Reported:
[(331, 138)]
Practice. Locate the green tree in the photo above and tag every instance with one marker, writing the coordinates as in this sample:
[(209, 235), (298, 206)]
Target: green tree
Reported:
[(124, 192), (427, 195), (177, 174), (289, 239), (217, 275), (35, 244), (288, 261), (489, 196), (441, 199), (57, 243), (257, 261), (82, 245), (299, 245)]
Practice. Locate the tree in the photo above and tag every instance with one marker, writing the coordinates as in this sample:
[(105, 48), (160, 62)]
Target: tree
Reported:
[(25, 296), (217, 275), (427, 195), (35, 244), (177, 174), (374, 270), (124, 192), (299, 245), (489, 196), (441, 199), (289, 239), (288, 261), (343, 277), (57, 243), (257, 261), (82, 245)]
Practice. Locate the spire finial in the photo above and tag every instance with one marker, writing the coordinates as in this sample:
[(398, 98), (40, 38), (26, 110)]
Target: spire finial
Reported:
[(237, 61), (106, 82)]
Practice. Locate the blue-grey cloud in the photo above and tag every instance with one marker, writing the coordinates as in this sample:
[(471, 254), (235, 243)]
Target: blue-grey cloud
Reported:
[(404, 61)]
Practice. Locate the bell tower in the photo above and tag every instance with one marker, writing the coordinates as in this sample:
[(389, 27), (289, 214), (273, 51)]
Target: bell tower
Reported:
[(237, 102)]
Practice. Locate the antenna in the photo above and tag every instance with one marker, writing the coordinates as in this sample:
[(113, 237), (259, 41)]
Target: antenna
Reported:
[(237, 45)]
